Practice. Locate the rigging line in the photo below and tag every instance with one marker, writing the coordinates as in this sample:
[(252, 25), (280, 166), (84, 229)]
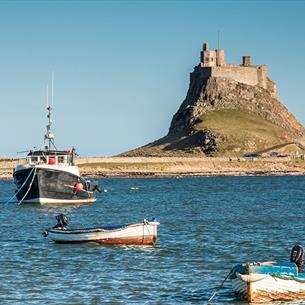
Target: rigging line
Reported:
[(52, 141)]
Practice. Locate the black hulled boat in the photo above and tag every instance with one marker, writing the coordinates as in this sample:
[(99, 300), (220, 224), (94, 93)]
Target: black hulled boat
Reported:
[(51, 176)]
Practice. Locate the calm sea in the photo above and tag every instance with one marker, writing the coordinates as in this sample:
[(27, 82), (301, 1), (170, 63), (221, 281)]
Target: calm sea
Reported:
[(207, 225)]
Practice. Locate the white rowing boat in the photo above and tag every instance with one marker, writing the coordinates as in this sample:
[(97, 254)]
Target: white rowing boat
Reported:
[(143, 233)]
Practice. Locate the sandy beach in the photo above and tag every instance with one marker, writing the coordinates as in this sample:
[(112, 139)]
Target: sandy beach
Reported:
[(175, 166)]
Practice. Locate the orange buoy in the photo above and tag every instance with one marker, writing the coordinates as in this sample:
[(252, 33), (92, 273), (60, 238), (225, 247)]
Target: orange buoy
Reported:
[(78, 186)]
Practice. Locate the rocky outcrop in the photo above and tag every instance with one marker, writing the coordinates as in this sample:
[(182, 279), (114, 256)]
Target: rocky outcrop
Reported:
[(207, 94), (204, 140)]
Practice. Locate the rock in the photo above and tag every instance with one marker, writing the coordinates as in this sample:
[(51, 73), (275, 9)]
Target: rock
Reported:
[(222, 93)]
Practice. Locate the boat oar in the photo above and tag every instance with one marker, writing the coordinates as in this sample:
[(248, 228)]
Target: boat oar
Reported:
[(219, 287)]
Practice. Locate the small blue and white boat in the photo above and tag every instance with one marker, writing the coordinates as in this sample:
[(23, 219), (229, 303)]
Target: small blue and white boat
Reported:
[(268, 281)]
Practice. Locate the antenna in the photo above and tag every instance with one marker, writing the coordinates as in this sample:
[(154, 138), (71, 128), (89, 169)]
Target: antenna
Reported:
[(47, 96), (218, 42), (52, 89)]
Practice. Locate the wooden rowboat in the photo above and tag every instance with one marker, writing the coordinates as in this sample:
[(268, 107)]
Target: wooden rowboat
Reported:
[(268, 281), (144, 233)]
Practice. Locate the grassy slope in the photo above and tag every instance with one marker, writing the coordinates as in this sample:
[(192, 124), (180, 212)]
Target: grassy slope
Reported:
[(238, 132), (243, 132)]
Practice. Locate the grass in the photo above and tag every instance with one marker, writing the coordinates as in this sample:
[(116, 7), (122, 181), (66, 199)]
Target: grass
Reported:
[(242, 132), (120, 166), (237, 132)]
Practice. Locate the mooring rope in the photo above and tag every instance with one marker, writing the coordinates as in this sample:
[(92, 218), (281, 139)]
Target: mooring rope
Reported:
[(35, 168), (146, 224), (219, 287), (25, 181)]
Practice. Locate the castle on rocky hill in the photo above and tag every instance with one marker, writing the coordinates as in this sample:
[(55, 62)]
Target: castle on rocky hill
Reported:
[(213, 64), (229, 110)]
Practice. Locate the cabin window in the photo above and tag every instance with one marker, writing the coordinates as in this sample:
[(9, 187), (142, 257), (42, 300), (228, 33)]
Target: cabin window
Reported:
[(60, 159), (33, 159)]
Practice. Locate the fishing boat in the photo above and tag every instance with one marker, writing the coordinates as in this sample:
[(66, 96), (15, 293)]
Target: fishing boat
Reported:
[(51, 176), (143, 233), (268, 281)]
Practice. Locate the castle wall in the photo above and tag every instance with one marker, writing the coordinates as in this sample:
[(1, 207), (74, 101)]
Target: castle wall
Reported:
[(262, 72), (212, 63), (248, 75)]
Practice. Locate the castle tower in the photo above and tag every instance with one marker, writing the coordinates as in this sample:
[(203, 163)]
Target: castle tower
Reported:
[(208, 58), (246, 61), (211, 58), (220, 58)]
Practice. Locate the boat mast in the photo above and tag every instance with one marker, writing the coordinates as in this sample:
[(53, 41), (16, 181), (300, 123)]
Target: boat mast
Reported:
[(49, 136)]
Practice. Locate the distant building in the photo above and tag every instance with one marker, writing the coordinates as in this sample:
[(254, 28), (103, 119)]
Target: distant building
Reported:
[(213, 64)]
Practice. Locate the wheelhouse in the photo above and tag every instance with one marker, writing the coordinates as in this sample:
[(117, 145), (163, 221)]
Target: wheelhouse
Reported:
[(52, 157)]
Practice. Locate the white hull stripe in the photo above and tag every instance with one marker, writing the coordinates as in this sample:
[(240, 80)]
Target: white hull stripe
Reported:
[(50, 200)]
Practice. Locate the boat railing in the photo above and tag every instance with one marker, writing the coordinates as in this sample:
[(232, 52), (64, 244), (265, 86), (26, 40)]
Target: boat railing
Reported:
[(51, 159)]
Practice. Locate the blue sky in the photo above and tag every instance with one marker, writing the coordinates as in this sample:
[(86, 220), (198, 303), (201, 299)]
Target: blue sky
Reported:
[(122, 67)]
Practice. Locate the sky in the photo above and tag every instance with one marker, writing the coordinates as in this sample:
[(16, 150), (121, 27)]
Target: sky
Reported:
[(122, 67)]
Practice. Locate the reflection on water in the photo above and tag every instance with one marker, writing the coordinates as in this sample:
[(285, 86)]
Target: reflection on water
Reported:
[(207, 225)]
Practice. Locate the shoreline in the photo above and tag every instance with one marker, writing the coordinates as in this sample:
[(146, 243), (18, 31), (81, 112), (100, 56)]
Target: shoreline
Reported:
[(185, 175), (158, 167)]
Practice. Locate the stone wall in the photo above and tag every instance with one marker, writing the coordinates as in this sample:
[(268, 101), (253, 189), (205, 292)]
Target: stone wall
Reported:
[(247, 75), (262, 74), (212, 63)]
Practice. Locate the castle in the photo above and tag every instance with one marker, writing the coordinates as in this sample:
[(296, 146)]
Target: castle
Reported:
[(213, 64)]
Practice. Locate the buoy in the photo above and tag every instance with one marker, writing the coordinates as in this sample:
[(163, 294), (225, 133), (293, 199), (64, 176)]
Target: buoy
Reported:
[(78, 186), (51, 160)]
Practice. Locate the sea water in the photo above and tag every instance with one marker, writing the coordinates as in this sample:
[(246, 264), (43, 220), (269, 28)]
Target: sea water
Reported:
[(207, 225)]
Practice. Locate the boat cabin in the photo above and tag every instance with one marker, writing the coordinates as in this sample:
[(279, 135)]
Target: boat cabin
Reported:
[(52, 157)]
